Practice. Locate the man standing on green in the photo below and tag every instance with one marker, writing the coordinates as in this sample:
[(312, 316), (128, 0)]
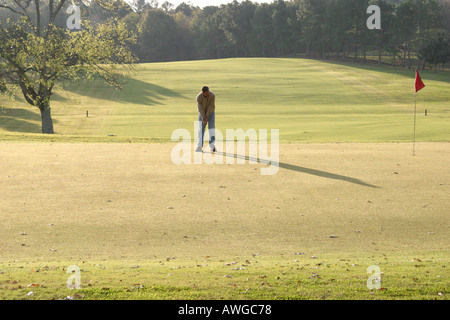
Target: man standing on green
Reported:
[(206, 115)]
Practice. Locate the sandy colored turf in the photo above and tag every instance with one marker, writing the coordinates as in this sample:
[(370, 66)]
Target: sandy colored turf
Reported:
[(115, 201)]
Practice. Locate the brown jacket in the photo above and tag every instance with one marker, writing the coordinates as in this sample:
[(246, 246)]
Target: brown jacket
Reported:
[(206, 105)]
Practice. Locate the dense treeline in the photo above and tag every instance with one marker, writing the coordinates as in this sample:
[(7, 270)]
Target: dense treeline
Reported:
[(315, 28), (413, 32)]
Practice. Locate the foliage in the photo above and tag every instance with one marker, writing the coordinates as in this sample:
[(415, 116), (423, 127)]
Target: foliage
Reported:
[(436, 51), (36, 53), (315, 28)]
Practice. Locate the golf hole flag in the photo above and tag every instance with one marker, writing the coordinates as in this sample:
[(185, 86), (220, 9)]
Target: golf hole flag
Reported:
[(419, 83), (417, 86)]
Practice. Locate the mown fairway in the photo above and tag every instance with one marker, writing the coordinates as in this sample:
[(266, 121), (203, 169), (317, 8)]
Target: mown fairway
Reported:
[(140, 227), (309, 101)]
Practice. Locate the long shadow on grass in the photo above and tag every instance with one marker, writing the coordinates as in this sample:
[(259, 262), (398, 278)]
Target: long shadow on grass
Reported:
[(18, 120), (387, 70), (287, 166), (134, 92)]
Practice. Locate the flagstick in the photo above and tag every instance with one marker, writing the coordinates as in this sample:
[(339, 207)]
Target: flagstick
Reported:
[(415, 108)]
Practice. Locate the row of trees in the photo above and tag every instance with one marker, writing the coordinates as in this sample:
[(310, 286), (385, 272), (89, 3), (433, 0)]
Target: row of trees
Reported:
[(412, 31), (315, 28), (38, 51)]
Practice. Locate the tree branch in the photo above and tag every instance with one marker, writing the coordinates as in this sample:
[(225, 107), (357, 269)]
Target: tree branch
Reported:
[(28, 92), (13, 10), (38, 18), (54, 13), (50, 7), (22, 80), (25, 14)]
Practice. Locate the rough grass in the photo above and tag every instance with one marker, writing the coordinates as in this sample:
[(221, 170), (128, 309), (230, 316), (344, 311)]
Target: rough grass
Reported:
[(283, 277)]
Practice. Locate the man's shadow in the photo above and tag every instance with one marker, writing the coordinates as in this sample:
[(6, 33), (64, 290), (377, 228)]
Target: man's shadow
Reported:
[(319, 173)]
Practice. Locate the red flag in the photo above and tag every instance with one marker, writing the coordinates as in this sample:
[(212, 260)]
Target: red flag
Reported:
[(419, 83)]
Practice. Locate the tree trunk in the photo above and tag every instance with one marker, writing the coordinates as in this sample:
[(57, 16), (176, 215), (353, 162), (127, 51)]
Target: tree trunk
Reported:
[(404, 56), (409, 56), (418, 61), (380, 47), (46, 117)]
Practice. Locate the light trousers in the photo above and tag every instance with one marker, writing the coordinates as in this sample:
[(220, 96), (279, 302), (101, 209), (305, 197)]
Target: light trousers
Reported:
[(211, 130)]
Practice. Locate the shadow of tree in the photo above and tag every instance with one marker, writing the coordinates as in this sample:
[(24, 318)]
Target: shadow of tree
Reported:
[(134, 92), (397, 71), (19, 120)]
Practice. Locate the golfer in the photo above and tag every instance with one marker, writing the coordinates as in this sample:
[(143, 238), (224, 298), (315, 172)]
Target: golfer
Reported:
[(206, 115)]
